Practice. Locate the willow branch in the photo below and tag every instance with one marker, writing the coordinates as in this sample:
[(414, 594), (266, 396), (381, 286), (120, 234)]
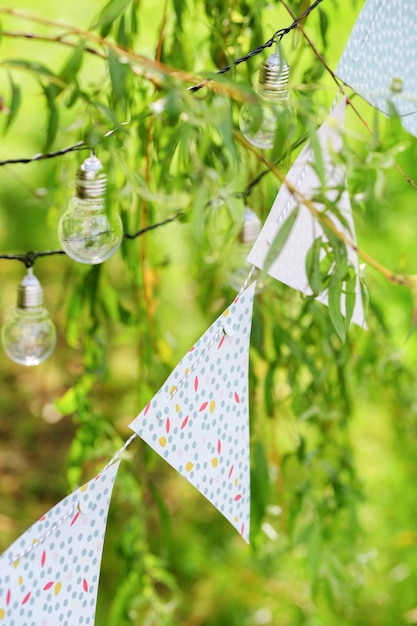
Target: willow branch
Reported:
[(60, 39), (150, 69), (341, 87), (405, 281)]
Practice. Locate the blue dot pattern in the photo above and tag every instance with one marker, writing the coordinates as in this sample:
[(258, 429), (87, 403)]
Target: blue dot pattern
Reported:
[(199, 420), (50, 575), (380, 59)]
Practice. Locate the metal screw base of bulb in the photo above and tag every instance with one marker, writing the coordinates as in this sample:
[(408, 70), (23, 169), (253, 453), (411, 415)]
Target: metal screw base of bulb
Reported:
[(88, 234), (258, 126), (29, 336)]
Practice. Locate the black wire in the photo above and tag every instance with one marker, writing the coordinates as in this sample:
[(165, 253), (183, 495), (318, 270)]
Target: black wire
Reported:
[(244, 194), (276, 38), (80, 145), (30, 257)]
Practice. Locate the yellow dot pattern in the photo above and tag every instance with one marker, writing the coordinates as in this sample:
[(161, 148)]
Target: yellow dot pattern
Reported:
[(42, 593), (206, 436)]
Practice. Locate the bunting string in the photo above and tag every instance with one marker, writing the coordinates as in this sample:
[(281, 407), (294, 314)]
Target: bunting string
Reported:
[(30, 257), (55, 526)]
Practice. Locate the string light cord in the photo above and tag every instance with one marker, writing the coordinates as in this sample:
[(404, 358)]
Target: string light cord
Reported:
[(30, 257), (342, 89), (275, 39), (80, 145), (151, 65)]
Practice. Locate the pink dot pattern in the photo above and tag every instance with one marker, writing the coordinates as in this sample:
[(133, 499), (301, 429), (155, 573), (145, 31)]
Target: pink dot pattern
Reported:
[(201, 426), (50, 575)]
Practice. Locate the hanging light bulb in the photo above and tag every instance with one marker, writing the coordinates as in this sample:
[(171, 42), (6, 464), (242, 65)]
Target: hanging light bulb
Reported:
[(86, 232), (249, 232), (29, 336), (272, 89)]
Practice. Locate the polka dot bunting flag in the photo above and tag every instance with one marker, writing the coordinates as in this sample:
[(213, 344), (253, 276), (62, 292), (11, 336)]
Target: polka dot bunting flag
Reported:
[(289, 266), (198, 421), (380, 59), (50, 575)]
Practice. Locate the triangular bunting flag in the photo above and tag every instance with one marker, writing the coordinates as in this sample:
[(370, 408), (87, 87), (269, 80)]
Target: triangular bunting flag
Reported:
[(198, 421), (50, 575), (290, 265), (380, 58)]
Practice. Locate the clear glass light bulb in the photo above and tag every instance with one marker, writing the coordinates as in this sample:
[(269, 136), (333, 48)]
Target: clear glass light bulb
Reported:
[(28, 335), (86, 232), (239, 266), (259, 124)]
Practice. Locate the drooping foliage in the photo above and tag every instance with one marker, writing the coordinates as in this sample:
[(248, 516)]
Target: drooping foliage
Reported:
[(329, 405)]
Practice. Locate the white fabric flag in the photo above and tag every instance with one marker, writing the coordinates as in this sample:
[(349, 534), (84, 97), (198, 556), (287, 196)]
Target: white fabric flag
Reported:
[(199, 420), (290, 265), (50, 575), (380, 59)]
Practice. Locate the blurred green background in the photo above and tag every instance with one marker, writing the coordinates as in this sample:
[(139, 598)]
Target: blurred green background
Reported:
[(334, 425)]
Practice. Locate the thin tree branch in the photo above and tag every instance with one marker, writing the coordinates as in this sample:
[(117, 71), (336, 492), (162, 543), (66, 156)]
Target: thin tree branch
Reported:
[(397, 279), (276, 38), (156, 68), (60, 39), (341, 87)]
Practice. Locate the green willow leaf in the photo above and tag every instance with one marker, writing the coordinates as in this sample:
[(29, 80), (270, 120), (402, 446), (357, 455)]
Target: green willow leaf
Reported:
[(324, 25), (73, 65), (313, 268), (260, 482), (280, 239), (53, 118), (67, 404), (342, 219), (318, 162), (134, 24), (15, 100), (179, 6), (74, 317), (110, 13), (350, 294), (118, 73), (121, 36), (269, 391), (339, 251), (40, 72), (336, 316)]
